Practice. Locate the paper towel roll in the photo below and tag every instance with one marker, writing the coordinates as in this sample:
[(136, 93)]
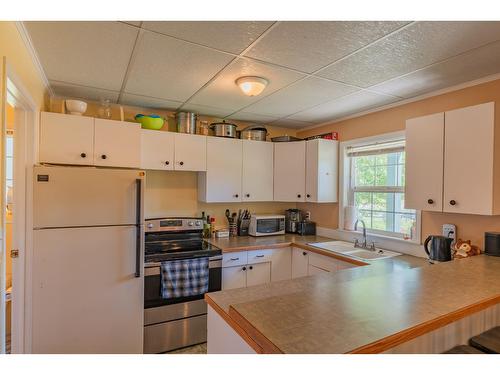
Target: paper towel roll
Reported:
[(350, 216)]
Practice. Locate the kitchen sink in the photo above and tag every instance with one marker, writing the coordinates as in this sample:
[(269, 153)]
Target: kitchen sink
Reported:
[(348, 249)]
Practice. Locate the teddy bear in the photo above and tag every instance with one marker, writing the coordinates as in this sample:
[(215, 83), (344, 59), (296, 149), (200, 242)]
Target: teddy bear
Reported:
[(463, 249)]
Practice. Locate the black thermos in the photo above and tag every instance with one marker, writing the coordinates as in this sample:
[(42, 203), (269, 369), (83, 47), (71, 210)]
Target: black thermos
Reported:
[(492, 243)]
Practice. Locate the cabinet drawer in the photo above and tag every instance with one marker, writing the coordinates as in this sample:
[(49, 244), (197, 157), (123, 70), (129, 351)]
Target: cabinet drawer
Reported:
[(234, 259), (259, 256), (323, 262)]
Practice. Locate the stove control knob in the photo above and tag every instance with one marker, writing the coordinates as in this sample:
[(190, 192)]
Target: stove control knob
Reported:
[(150, 225), (198, 223), (190, 223)]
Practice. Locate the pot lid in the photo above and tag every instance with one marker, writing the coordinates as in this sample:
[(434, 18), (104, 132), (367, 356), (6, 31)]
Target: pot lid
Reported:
[(255, 127), (222, 123)]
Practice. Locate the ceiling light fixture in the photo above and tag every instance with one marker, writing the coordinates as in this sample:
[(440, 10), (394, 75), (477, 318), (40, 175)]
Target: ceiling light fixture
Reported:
[(252, 86)]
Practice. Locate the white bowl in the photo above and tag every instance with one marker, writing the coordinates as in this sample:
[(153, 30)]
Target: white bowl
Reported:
[(76, 107)]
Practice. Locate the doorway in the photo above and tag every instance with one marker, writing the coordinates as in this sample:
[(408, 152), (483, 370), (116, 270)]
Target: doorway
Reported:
[(17, 151)]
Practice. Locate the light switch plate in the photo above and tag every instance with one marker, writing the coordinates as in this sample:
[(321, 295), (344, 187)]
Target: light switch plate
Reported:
[(450, 230)]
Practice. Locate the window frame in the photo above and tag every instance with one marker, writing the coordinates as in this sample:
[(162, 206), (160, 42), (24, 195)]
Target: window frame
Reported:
[(346, 194)]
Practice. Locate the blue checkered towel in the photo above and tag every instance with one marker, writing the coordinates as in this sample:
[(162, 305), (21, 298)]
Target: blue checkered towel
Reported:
[(184, 278)]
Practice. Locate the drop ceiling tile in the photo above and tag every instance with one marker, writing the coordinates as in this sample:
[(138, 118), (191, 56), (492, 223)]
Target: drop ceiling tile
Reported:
[(308, 46), (292, 124), (252, 117), (67, 90), (168, 68), (299, 96), (230, 36), (345, 106), (93, 54), (224, 93), (205, 110), (415, 47), (148, 102), (469, 66)]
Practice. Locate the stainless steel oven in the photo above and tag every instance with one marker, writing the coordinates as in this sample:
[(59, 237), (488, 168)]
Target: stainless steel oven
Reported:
[(174, 323)]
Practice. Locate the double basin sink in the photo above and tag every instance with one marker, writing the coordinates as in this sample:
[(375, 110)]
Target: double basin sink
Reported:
[(348, 249)]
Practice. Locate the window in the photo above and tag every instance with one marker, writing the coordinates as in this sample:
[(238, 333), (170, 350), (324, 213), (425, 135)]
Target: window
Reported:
[(376, 188)]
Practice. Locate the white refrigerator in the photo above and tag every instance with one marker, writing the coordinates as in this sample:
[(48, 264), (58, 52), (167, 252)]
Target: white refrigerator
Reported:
[(87, 260)]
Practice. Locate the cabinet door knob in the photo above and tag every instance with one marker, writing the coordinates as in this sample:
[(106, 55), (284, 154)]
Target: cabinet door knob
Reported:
[(453, 202), (298, 195), (167, 162), (430, 201), (236, 195), (181, 163), (308, 195), (244, 268), (83, 155), (304, 253), (103, 156), (251, 267), (247, 195)]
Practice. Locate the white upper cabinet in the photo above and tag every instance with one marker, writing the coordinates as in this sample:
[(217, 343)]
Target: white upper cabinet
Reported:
[(66, 139), (117, 143), (321, 170), (157, 150), (257, 171), (424, 162), (190, 152), (289, 171), (450, 162), (222, 180), (82, 140), (469, 160)]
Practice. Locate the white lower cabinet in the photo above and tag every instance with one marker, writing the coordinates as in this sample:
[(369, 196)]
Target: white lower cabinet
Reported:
[(306, 263), (313, 270), (234, 277), (300, 262), (246, 275), (259, 273), (281, 264), (255, 267)]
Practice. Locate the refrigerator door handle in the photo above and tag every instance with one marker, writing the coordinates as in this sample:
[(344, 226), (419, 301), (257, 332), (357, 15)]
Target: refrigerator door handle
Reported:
[(138, 239)]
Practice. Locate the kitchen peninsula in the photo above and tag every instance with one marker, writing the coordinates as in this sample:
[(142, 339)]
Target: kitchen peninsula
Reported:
[(372, 309)]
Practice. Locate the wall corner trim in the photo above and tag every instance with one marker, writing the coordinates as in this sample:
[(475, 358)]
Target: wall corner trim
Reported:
[(21, 28)]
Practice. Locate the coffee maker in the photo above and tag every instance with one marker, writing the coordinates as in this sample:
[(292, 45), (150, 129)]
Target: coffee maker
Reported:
[(293, 217)]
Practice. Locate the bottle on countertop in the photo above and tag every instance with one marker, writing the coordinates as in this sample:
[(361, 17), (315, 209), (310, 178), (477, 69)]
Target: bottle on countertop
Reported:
[(212, 226)]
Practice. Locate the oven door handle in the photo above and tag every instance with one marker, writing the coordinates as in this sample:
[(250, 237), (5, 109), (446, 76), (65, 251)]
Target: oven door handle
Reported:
[(154, 268)]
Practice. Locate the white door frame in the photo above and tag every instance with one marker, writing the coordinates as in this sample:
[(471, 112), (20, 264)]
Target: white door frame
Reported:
[(25, 151)]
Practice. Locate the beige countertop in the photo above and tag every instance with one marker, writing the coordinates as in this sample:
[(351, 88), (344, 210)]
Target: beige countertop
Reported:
[(361, 309), (233, 244)]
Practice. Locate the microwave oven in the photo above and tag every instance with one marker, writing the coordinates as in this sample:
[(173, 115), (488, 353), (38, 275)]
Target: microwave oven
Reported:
[(266, 225)]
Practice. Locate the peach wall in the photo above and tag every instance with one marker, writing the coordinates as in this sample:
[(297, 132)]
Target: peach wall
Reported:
[(393, 119)]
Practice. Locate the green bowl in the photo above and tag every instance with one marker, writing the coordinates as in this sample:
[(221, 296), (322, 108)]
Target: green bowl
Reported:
[(150, 122)]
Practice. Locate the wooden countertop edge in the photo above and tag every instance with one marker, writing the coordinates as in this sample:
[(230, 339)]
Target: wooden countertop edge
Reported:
[(301, 246), (267, 346), (401, 337), (241, 332)]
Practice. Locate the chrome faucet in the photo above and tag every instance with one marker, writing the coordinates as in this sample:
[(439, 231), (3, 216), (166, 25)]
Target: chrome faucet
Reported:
[(364, 244), (356, 242)]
